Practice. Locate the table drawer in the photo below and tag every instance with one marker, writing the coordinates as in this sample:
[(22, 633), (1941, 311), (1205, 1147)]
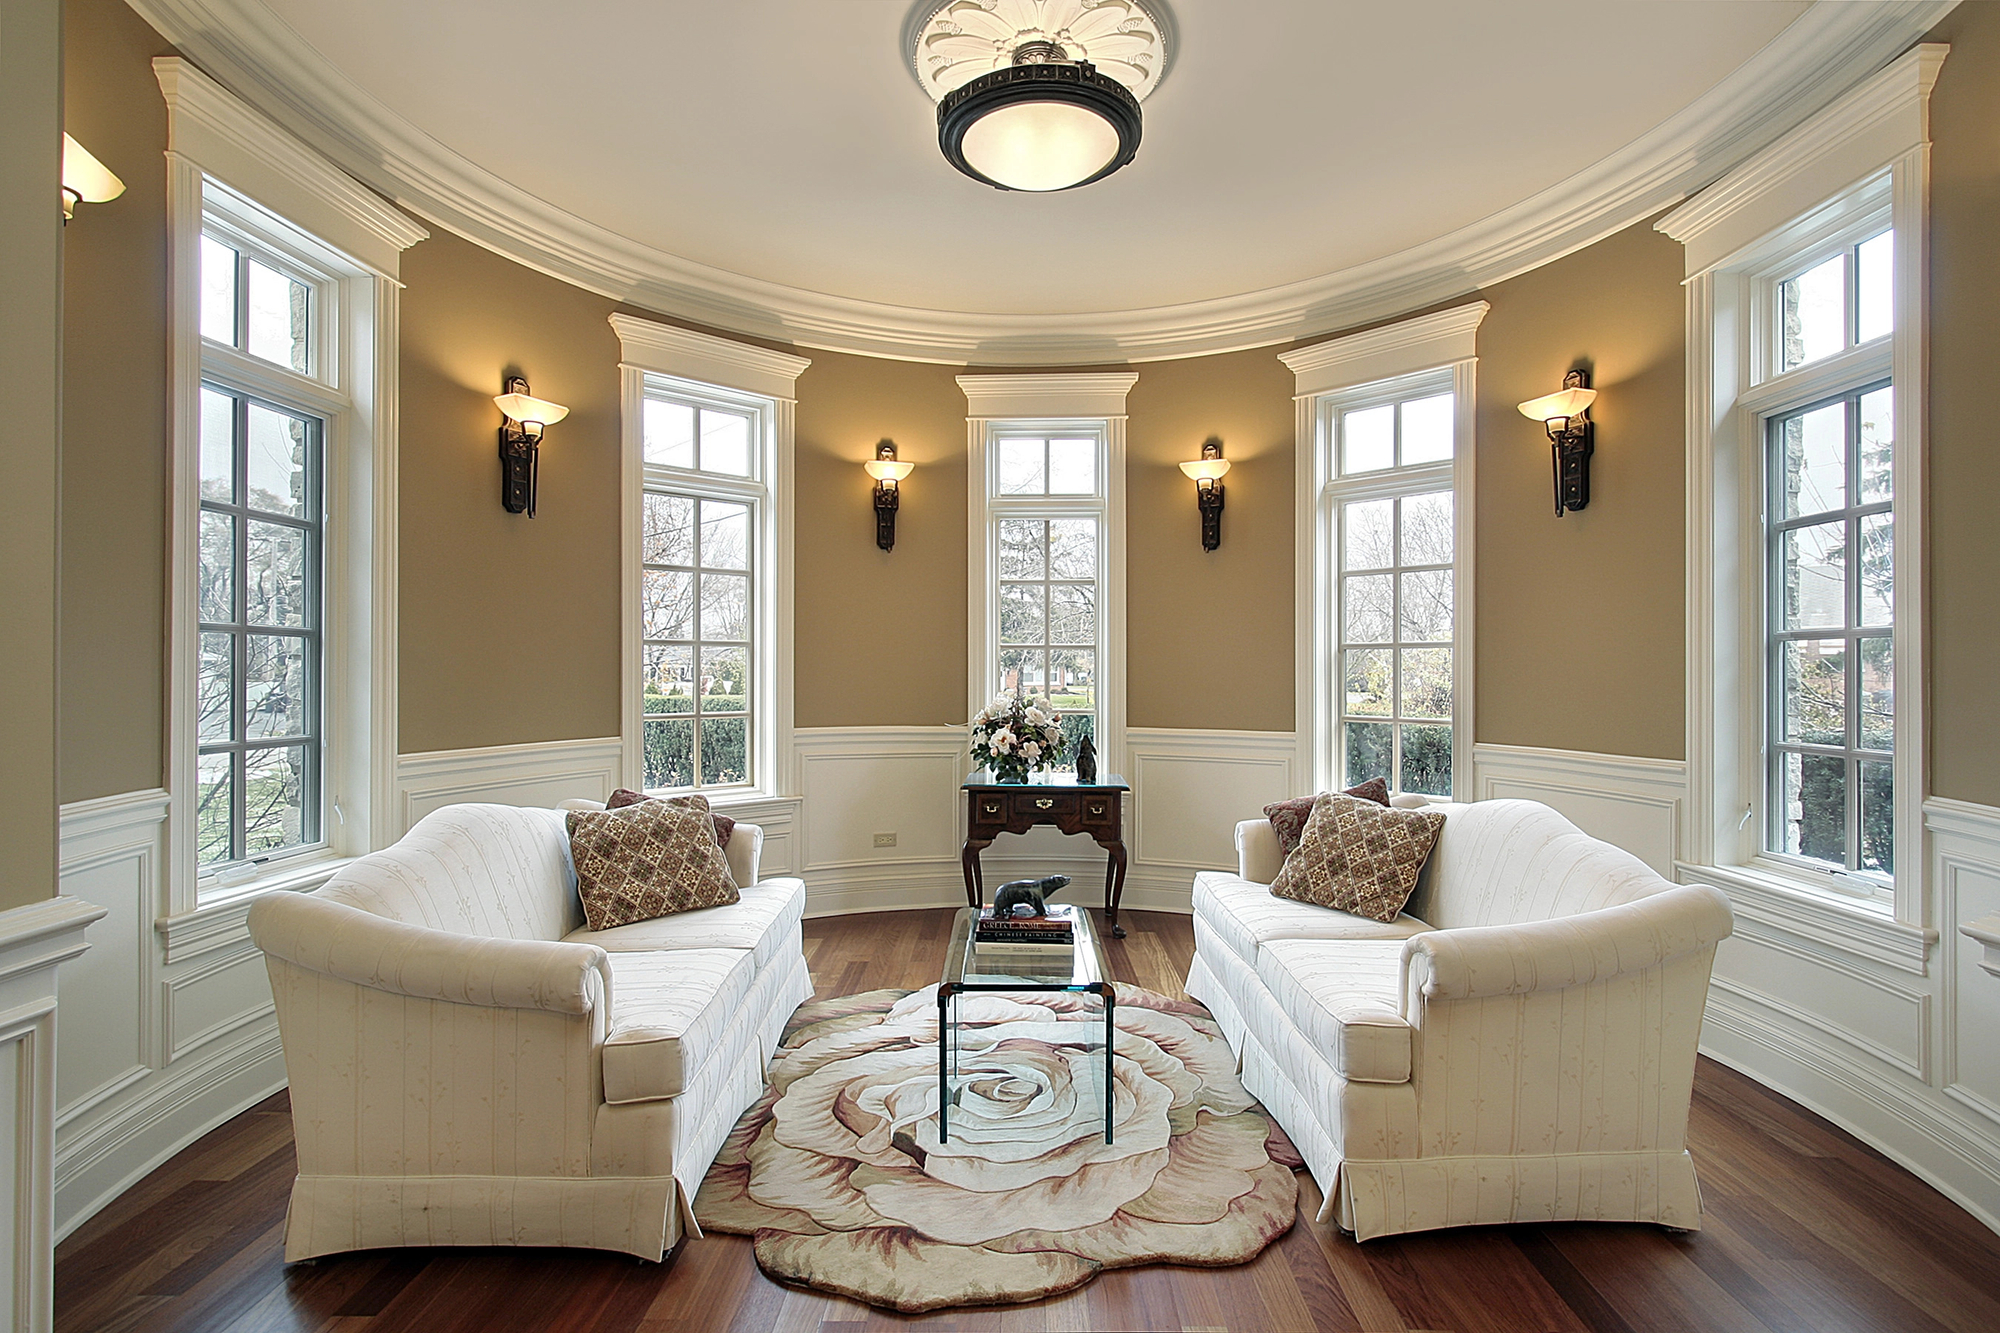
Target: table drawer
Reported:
[(1100, 810), (1042, 805)]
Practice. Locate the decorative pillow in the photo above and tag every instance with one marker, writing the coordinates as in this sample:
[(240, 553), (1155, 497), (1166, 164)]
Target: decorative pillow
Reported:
[(1359, 857), (625, 796), (1289, 818), (648, 860)]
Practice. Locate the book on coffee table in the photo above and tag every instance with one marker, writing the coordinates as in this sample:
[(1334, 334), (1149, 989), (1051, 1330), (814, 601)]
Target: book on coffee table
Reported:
[(1058, 927)]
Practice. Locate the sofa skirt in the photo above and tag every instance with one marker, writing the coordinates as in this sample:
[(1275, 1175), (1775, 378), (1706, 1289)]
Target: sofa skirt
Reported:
[(331, 1214)]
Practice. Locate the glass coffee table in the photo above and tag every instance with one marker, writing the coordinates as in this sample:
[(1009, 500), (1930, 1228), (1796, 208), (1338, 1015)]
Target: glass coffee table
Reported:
[(967, 970)]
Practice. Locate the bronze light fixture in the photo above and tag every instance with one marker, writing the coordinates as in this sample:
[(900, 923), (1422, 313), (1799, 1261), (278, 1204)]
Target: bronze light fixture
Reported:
[(1566, 416), (1207, 472), (520, 443), (888, 474)]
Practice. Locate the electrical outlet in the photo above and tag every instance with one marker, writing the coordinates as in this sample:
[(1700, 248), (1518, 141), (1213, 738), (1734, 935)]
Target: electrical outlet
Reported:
[(885, 840)]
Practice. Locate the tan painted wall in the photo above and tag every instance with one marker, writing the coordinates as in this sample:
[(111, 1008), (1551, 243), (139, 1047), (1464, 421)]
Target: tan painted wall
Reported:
[(1579, 631), (1964, 623), (114, 412), (510, 625)]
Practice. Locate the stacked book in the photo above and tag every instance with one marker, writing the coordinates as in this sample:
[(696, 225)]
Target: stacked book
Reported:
[(1050, 936)]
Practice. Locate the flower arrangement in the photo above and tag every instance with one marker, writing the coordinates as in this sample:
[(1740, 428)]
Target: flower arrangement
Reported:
[(1015, 737)]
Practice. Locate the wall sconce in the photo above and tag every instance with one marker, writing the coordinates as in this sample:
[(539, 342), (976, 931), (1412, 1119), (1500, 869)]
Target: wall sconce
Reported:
[(520, 443), (888, 473), (85, 180), (1566, 415), (1207, 473)]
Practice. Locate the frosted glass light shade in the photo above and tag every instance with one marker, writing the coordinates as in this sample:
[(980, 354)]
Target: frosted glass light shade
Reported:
[(521, 407), (1040, 146), (1559, 405), (888, 469), (84, 178), (1206, 469)]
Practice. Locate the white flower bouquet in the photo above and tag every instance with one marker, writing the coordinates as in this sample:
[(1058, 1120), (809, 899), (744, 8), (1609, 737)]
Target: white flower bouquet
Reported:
[(1015, 737)]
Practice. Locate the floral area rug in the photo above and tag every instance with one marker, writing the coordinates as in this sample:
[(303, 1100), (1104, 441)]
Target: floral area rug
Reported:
[(838, 1173)]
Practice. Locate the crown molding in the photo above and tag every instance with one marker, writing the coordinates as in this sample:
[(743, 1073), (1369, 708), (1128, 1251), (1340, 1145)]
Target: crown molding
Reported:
[(1402, 348), (666, 350), (1018, 397), (1824, 52)]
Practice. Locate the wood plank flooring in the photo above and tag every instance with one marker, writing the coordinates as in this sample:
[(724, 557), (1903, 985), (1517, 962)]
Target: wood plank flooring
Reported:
[(1806, 1231)]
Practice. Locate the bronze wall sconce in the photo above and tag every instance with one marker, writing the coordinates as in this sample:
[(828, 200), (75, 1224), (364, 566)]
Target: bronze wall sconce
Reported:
[(520, 443), (1207, 472), (1566, 416), (888, 474)]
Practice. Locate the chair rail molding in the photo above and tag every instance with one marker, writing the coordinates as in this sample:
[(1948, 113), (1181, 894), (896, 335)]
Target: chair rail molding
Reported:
[(1824, 51)]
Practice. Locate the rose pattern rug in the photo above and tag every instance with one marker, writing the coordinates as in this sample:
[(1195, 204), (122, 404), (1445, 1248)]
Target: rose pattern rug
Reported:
[(838, 1174)]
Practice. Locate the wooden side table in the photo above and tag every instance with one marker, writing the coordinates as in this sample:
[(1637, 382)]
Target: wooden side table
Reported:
[(1055, 799)]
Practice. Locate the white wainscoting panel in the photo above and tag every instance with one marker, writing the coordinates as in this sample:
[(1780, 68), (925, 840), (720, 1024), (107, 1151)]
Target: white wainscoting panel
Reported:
[(1965, 864), (542, 773), (1636, 804)]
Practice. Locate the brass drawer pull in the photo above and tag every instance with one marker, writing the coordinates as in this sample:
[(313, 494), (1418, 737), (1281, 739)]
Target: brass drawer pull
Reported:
[(993, 807), (1044, 803)]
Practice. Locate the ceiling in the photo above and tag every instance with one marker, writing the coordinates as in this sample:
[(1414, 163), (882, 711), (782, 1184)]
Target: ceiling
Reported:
[(786, 140)]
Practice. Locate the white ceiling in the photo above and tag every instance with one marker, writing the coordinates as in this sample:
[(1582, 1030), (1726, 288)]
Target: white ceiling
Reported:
[(786, 140)]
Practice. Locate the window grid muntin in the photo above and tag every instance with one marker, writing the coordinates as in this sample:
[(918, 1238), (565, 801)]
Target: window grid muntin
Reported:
[(1852, 632), (311, 524)]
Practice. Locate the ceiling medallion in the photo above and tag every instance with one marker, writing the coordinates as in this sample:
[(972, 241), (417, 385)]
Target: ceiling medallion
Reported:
[(1040, 95)]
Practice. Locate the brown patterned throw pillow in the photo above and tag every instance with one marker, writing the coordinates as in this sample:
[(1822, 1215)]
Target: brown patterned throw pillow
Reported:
[(1359, 857), (1288, 818), (625, 796), (652, 859)]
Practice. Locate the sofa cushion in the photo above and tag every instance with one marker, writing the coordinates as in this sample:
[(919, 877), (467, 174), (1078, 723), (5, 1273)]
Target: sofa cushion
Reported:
[(625, 796), (670, 1011), (1288, 818), (1359, 856), (648, 860), (1244, 916), (1345, 998), (760, 921)]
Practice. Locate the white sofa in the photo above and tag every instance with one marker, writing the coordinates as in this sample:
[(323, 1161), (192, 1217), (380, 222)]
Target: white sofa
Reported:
[(469, 1067), (1518, 1046)]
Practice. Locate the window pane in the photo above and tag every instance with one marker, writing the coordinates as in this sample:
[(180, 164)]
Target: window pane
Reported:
[(1072, 467), (1878, 818), (218, 446), (670, 753), (1427, 429), (215, 676), (1368, 439), (1812, 311), (218, 291), (1426, 682), (1023, 613), (725, 444), (215, 574), (1878, 438), (666, 679), (274, 800), (1021, 553), (1021, 467), (1814, 817), (666, 604), (277, 456), (725, 606), (1812, 694), (1426, 760), (1875, 287), (275, 588), (725, 680), (1368, 614), (1073, 548), (1815, 461), (725, 535), (280, 313), (667, 535), (1369, 543), (1427, 529), (274, 686), (1073, 680), (669, 432), (1814, 575), (1878, 569), (725, 750), (1878, 694), (215, 808), (1024, 670), (1368, 752), (1427, 607), (1072, 614), (1366, 681)]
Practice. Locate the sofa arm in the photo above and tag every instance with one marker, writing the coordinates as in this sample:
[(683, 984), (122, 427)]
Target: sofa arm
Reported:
[(388, 955), (1476, 962), (1258, 856)]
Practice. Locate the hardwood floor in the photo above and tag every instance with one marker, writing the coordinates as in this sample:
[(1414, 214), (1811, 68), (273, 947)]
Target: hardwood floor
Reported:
[(1806, 1231)]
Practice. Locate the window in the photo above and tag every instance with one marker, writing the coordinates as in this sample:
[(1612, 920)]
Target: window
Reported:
[(1841, 301), (1395, 542)]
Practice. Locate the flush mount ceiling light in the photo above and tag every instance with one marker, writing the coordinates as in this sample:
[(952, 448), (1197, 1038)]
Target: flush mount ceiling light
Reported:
[(1040, 95)]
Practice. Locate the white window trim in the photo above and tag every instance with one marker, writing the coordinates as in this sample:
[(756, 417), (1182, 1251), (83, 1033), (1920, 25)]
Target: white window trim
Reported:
[(767, 382), (1445, 339), (1052, 400), (215, 137), (1822, 178)]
